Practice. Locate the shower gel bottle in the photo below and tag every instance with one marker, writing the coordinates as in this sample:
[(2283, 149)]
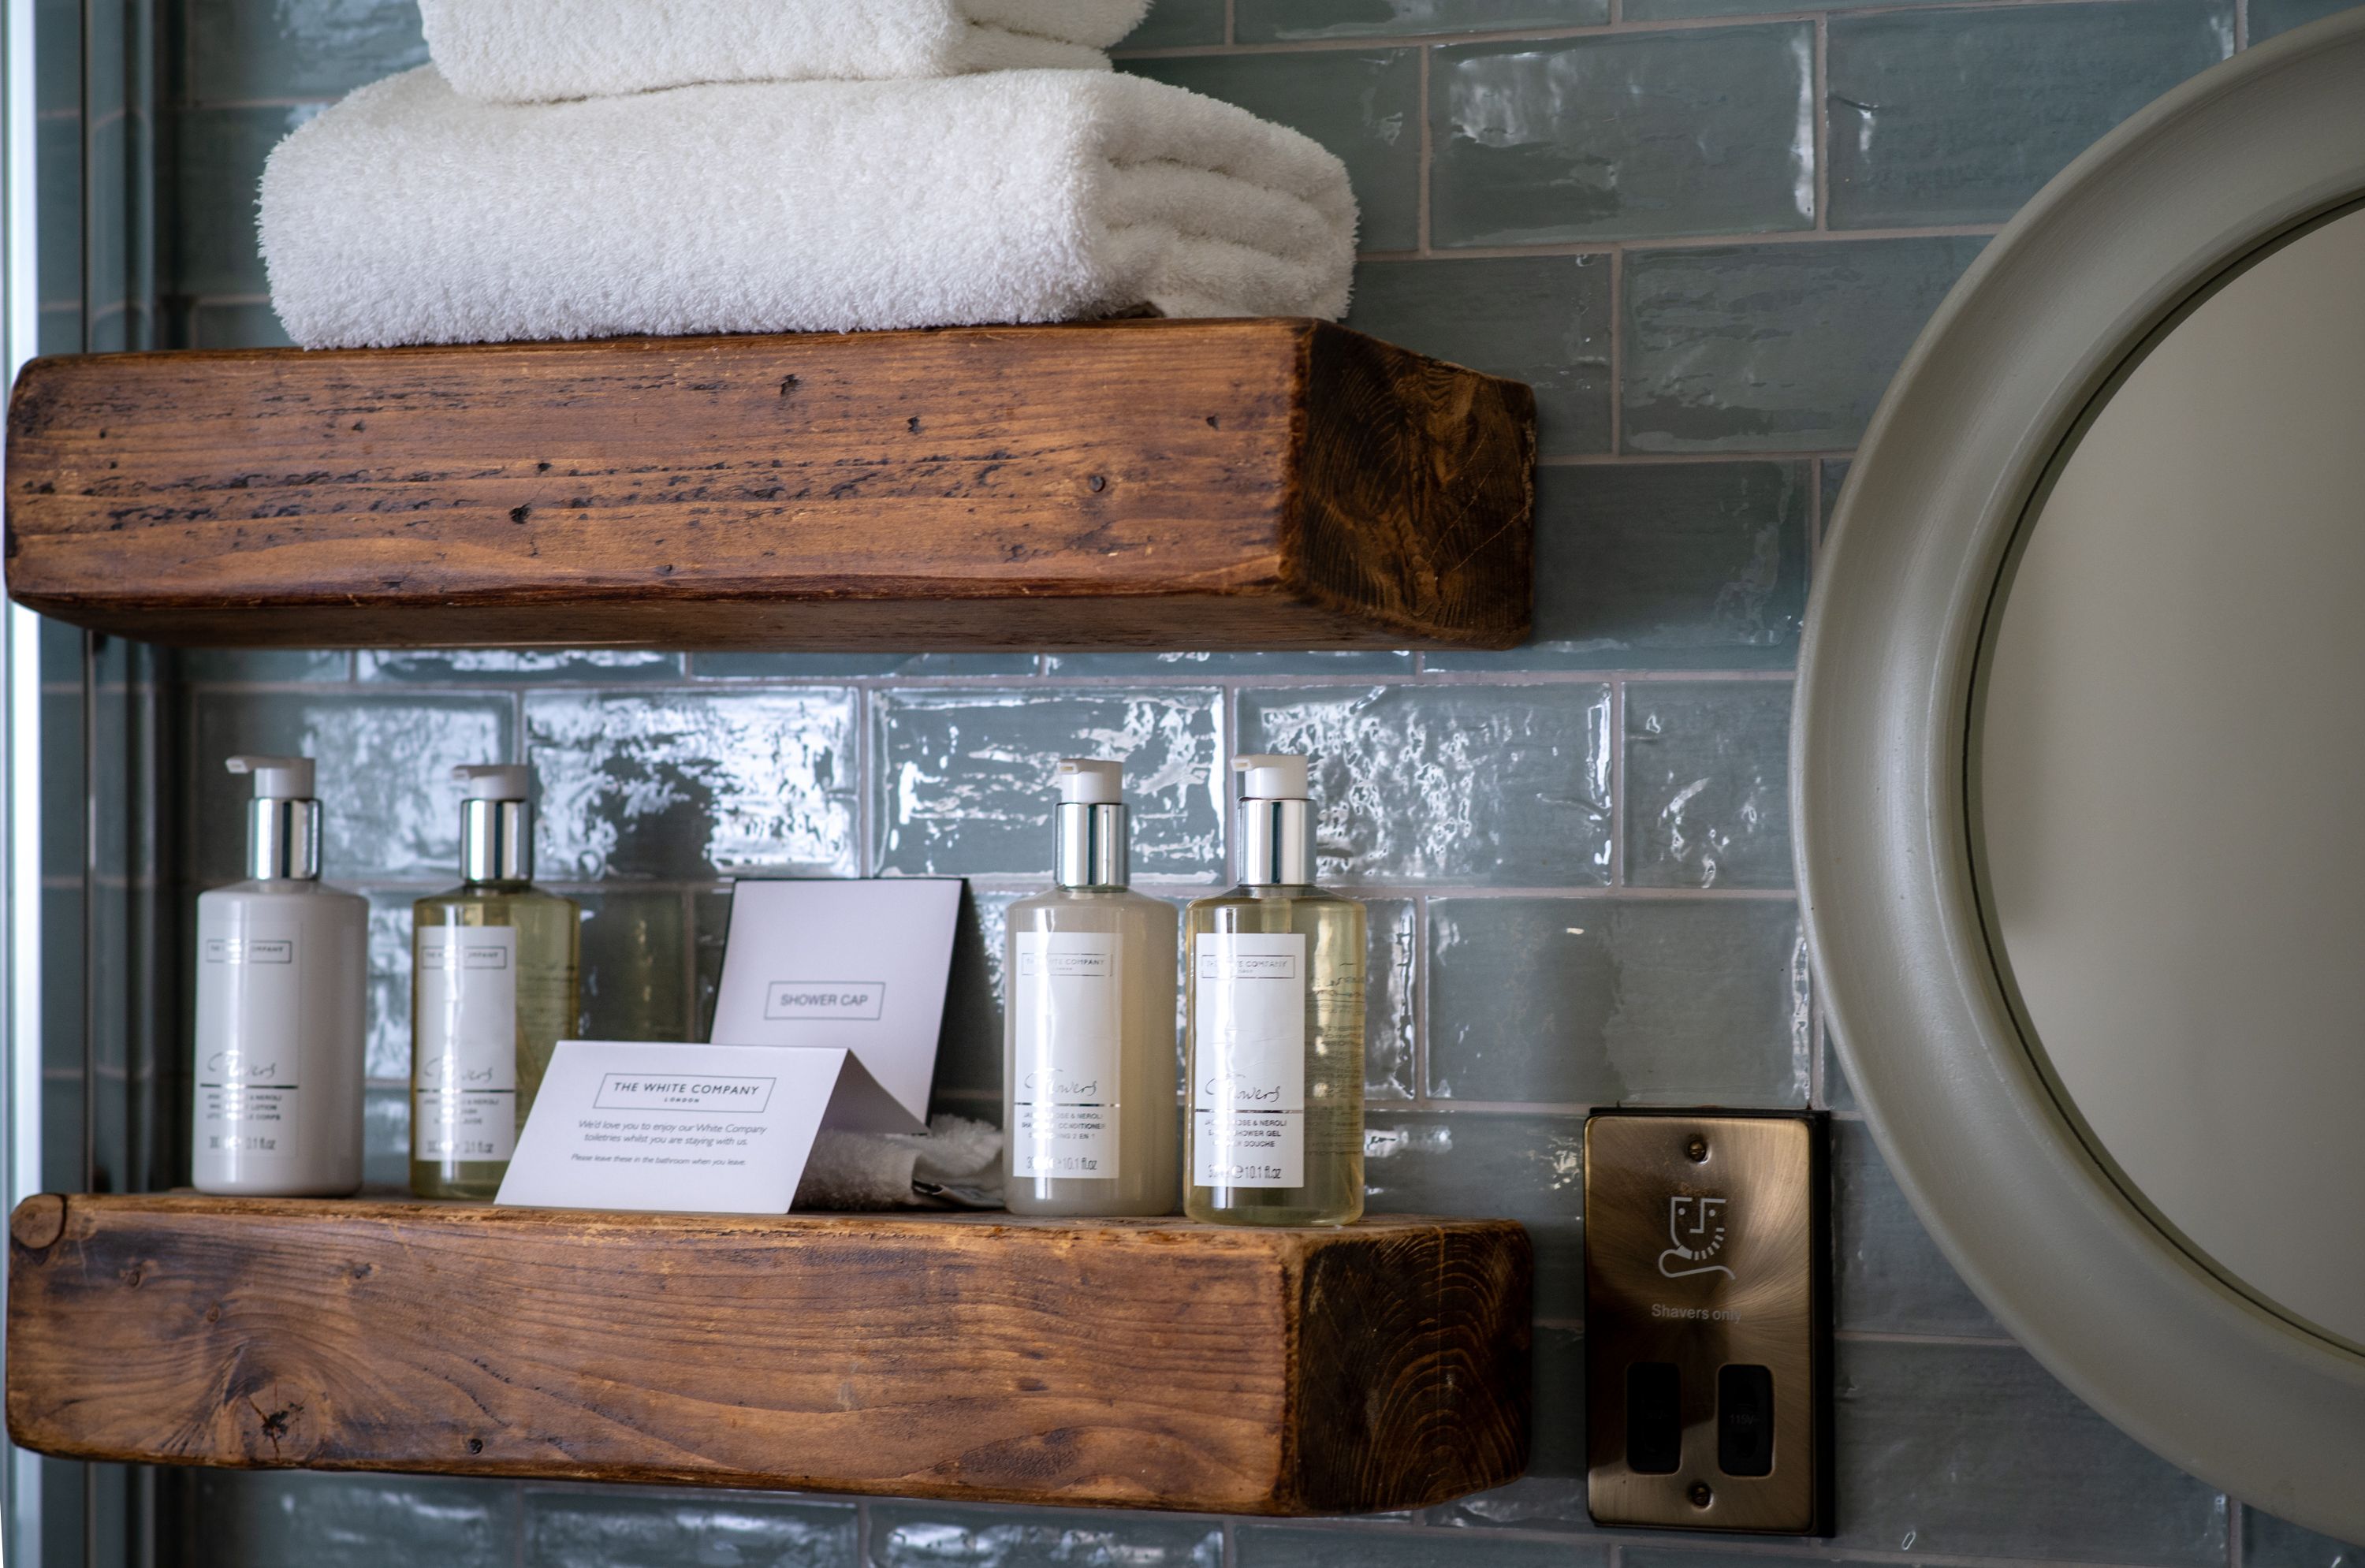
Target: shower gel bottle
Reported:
[(1275, 981), (1089, 1088), (493, 990), (283, 964)]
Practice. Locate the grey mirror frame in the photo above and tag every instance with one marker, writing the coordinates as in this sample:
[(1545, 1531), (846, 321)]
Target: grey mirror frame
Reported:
[(2055, 307)]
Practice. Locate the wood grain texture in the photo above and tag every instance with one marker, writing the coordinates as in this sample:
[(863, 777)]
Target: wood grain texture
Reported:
[(1140, 1364), (1268, 484)]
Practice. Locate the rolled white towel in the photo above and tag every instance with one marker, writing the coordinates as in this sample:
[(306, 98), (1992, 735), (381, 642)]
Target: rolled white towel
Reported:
[(537, 50), (408, 214)]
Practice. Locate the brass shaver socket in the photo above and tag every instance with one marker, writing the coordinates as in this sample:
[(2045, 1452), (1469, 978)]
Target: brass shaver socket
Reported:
[(1707, 1321)]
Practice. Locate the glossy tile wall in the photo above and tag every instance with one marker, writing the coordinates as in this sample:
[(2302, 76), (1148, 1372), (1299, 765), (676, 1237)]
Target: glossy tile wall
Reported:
[(1707, 231)]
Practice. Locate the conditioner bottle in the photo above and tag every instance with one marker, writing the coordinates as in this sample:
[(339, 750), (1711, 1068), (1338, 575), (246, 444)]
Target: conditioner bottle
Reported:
[(1276, 1018), (493, 990), (1089, 1091), (283, 964)]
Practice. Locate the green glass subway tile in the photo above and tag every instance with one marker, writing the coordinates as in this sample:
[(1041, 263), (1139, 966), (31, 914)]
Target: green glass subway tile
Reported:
[(260, 666), (115, 184), (969, 1051), (1391, 999), (1287, 21), (1709, 1555), (1693, 131), (62, 812), (710, 914), (57, 56), (386, 1134), (1299, 1546), (1607, 1001), (1708, 784), (2269, 18), (236, 325), (1502, 786), (850, 667), (1838, 1093), (1664, 565), (60, 330), (1835, 472), (466, 667), (1892, 1277), (1189, 667), (60, 1114), (221, 163), (62, 947), (1958, 116), (635, 965), (1739, 348), (57, 150), (1975, 1451), (1178, 24), (583, 1528), (688, 785), (388, 807), (1482, 1165), (387, 1029), (910, 1535), (253, 1518), (2270, 1542), (1363, 105), (1540, 320), (964, 776), (240, 51)]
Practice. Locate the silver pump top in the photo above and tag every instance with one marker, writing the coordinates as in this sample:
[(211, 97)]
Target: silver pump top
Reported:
[(1276, 812), (282, 820), (1092, 819), (495, 821)]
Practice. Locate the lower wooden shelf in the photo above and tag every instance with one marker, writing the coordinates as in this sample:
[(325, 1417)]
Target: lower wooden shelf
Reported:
[(1143, 1364)]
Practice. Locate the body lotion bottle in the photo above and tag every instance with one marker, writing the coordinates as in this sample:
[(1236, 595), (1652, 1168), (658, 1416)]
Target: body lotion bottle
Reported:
[(283, 964), (494, 988), (1089, 1091), (1276, 1018)]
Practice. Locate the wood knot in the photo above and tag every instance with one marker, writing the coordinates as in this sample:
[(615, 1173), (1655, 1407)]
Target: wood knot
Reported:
[(519, 514), (787, 385), (475, 1445), (1096, 484), (39, 1221), (913, 424), (133, 1275)]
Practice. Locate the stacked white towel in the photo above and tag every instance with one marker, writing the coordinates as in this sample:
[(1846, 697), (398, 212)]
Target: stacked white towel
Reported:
[(535, 51), (412, 213)]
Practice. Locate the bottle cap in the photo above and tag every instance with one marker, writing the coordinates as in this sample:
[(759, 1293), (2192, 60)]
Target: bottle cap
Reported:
[(1089, 781), (276, 777), (1269, 777), (495, 781)]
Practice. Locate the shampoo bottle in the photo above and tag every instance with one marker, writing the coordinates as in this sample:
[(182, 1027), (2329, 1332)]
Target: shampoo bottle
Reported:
[(493, 990), (283, 964), (1275, 1021), (1089, 1089)]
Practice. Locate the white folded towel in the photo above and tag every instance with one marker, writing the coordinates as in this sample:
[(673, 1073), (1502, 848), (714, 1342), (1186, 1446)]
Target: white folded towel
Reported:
[(407, 214), (529, 50), (956, 1164)]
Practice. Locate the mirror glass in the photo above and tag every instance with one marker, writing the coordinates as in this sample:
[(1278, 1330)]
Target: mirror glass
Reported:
[(2168, 779)]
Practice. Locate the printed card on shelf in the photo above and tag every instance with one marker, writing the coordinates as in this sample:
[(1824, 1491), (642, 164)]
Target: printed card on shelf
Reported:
[(854, 966), (657, 1125)]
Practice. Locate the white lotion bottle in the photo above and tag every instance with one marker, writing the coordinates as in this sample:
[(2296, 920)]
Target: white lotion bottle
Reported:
[(283, 967), (1091, 1086)]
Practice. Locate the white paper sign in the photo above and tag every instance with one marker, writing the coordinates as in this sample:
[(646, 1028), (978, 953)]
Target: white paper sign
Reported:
[(642, 1125), (854, 966)]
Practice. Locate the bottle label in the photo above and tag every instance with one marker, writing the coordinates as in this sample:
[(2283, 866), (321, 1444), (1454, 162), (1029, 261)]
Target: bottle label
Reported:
[(250, 1033), (463, 1082), (1247, 1108), (1068, 1002)]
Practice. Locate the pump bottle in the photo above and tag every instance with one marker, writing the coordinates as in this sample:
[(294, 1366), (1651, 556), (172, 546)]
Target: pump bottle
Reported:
[(1275, 1023), (283, 964), (494, 988), (1089, 1086)]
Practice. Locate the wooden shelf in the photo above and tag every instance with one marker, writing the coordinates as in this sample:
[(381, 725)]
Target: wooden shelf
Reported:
[(1261, 484), (1145, 1363)]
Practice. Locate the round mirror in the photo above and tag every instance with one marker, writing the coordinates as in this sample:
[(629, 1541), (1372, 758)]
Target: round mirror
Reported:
[(2168, 778)]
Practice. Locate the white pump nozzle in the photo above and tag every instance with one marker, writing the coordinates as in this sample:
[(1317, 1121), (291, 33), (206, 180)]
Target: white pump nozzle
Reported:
[(1267, 778), (495, 781), (276, 777), (1089, 781)]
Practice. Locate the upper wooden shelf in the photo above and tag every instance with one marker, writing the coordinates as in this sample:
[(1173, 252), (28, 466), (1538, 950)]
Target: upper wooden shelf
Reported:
[(1142, 1364), (1258, 483)]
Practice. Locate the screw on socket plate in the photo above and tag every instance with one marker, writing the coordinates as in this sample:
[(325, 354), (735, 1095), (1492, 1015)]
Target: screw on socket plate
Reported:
[(1700, 1495), (1698, 1149)]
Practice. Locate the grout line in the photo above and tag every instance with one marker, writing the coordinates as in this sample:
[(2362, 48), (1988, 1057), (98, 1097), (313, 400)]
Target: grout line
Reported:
[(1231, 24), (2237, 1545), (2241, 25), (1618, 869), (1617, 355), (1419, 981), (1822, 124), (1427, 153)]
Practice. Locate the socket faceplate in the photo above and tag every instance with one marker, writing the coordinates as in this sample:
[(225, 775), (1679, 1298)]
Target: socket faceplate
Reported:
[(1707, 1321)]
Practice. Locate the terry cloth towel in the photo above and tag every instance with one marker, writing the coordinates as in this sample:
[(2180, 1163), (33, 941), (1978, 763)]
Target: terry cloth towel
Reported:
[(532, 50), (407, 214), (957, 1163)]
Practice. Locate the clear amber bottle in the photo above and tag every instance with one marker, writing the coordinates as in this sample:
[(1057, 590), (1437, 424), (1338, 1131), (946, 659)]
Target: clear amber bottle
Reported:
[(1274, 977), (494, 987)]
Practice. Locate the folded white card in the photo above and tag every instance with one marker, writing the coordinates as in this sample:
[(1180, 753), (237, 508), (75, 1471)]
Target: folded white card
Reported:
[(655, 1125), (857, 966)]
